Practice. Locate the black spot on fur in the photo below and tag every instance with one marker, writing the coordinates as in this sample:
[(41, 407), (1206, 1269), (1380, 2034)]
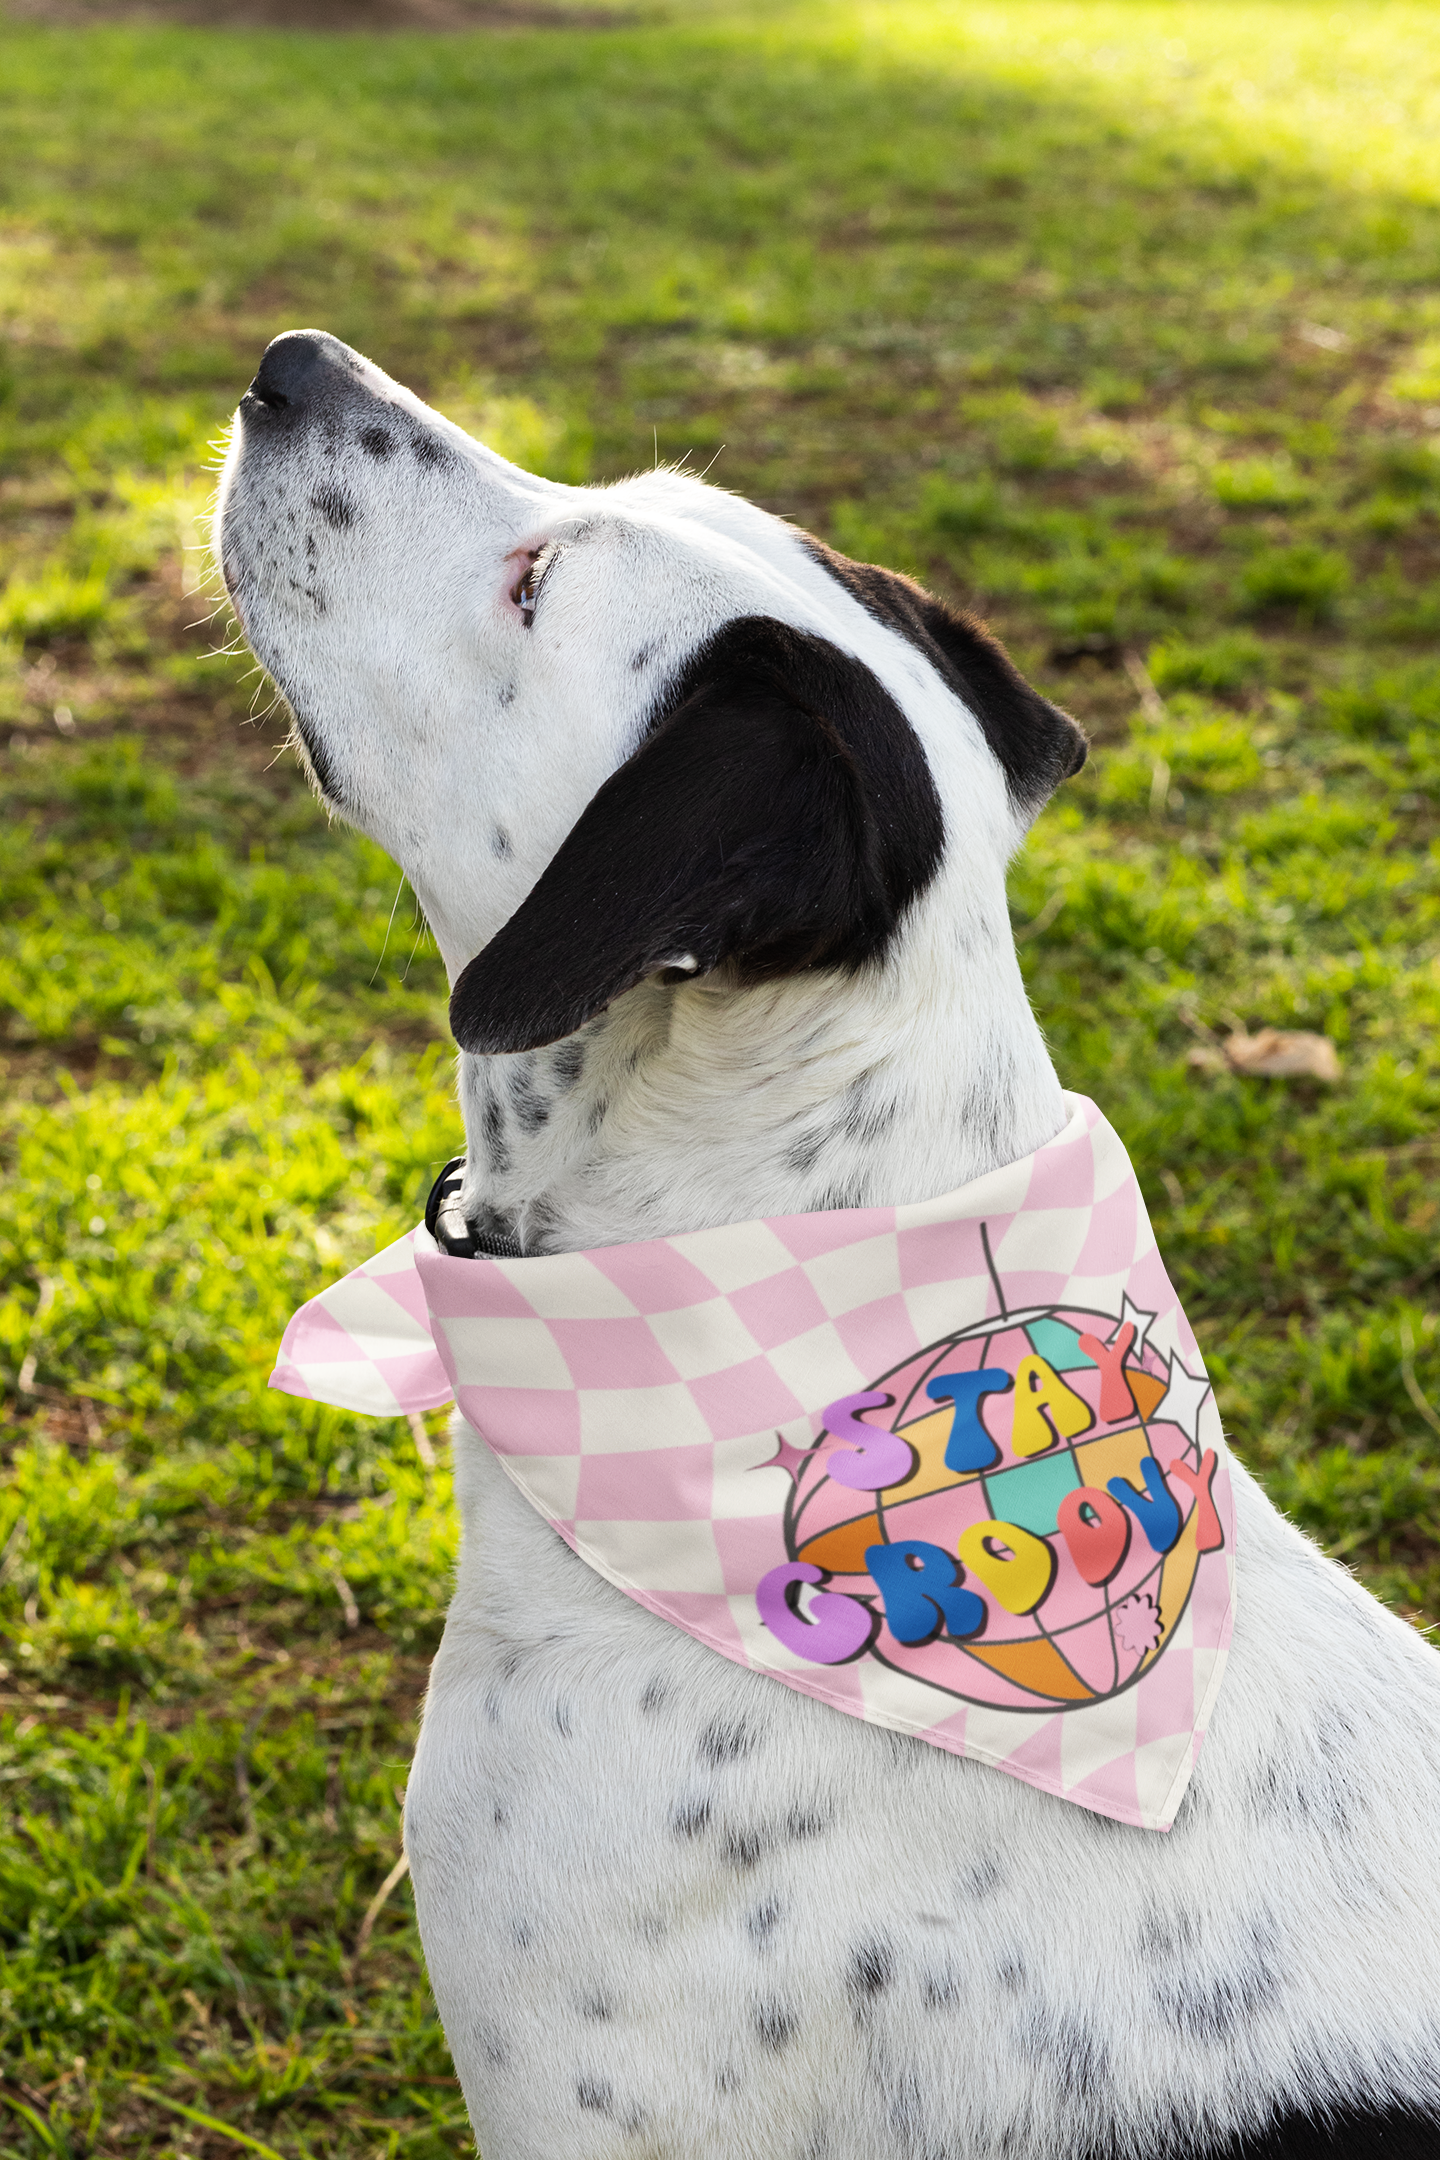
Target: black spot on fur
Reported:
[(377, 442), (689, 1817), (726, 1740), (1035, 744), (1214, 2009), (500, 1816), (1165, 1937), (805, 1153), (500, 846), (908, 2116), (982, 1878), (1064, 2044), (522, 1934), (430, 451), (942, 1990), (774, 2025), (867, 1118), (596, 2095), (1011, 1974), (780, 815), (598, 2008), (334, 505), (1306, 1781), (727, 2080), (642, 659), (802, 1824), (654, 1696), (599, 1110), (507, 694), (1265, 1793), (497, 2052), (532, 1109), (561, 1715), (540, 1219), (742, 1848), (872, 1968), (492, 1126), (568, 1063), (762, 1921)]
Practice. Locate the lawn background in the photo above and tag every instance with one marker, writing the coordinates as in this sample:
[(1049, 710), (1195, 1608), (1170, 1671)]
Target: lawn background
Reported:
[(1118, 322)]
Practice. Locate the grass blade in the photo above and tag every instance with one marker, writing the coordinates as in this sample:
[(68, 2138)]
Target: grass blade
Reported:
[(208, 2122)]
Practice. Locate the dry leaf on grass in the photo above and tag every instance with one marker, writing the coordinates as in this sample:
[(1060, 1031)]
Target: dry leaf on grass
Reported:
[(1283, 1054), (1273, 1054)]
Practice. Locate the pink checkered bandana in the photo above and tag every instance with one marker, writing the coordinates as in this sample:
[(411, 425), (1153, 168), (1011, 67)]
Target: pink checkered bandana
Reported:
[(953, 1467)]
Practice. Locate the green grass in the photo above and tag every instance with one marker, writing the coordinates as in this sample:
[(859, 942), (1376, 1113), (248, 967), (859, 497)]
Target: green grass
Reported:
[(1118, 322)]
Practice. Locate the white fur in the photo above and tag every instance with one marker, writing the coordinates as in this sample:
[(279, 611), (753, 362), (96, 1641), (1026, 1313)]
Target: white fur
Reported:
[(671, 1910)]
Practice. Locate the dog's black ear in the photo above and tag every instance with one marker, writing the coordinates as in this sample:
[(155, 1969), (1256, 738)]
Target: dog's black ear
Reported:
[(1035, 743), (780, 814)]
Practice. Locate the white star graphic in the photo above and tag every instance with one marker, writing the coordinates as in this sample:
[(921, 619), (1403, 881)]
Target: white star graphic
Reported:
[(1180, 1405), (1140, 1321)]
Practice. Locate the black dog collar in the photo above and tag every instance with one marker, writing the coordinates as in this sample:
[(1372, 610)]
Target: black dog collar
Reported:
[(457, 1234)]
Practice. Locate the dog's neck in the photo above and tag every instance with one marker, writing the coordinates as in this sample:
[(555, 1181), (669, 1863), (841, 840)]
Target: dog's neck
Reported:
[(681, 1108)]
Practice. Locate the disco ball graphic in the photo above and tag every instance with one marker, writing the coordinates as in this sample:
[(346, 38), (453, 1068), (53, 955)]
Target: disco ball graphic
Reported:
[(1048, 1510)]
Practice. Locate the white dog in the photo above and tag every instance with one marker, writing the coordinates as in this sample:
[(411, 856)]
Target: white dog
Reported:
[(671, 1910)]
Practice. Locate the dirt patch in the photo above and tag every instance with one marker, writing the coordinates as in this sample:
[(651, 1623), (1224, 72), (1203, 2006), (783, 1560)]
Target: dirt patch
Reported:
[(322, 15)]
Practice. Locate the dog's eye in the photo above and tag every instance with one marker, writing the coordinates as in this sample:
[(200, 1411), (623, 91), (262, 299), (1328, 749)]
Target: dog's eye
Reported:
[(526, 593)]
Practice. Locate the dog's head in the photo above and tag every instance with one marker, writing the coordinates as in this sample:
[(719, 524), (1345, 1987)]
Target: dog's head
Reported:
[(609, 733)]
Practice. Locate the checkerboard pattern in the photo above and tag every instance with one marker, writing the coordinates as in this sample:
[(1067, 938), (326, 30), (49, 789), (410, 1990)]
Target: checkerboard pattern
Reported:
[(649, 1400)]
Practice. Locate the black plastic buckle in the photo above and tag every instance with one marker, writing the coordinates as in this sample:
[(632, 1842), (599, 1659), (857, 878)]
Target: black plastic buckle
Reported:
[(452, 1231)]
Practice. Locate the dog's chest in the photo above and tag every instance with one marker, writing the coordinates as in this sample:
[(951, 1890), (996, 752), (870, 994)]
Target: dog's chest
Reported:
[(667, 1903), (646, 1877)]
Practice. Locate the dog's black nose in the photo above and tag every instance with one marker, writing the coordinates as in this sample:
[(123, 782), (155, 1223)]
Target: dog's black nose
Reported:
[(293, 368)]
